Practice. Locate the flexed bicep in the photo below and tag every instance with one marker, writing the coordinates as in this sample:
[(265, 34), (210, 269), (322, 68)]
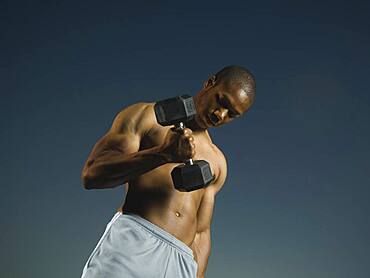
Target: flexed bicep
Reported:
[(116, 158)]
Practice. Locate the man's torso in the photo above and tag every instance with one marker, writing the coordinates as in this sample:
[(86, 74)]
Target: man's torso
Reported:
[(153, 196)]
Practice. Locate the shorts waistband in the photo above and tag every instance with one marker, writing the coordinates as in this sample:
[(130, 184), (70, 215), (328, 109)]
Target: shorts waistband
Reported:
[(160, 233)]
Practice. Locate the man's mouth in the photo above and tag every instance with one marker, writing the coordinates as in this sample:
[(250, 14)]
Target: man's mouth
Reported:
[(213, 119)]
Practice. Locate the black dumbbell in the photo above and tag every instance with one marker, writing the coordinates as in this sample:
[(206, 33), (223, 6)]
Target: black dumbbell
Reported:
[(191, 175)]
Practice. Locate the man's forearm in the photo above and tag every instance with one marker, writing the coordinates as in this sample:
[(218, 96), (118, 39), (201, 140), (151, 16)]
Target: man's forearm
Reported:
[(111, 169)]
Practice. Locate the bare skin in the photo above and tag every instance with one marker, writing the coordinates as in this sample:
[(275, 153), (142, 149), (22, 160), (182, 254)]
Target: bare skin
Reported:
[(141, 154)]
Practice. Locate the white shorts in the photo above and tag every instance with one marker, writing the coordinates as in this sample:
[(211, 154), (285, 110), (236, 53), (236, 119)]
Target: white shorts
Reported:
[(133, 247)]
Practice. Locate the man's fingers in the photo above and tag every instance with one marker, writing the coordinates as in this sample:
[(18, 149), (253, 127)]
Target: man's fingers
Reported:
[(187, 132), (177, 130)]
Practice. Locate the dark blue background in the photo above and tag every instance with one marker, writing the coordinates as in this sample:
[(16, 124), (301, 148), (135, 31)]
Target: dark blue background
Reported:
[(296, 201)]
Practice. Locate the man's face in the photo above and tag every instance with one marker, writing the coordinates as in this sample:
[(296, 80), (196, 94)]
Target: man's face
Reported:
[(221, 103)]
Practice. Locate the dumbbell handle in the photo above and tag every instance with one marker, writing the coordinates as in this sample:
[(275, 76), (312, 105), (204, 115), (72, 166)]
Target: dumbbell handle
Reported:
[(182, 127)]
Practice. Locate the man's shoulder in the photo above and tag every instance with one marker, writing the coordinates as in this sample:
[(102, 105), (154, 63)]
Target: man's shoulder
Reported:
[(137, 108), (221, 172), (218, 151), (135, 117), (221, 156), (221, 159)]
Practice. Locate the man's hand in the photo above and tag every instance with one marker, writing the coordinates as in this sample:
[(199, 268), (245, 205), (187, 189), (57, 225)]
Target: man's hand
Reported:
[(179, 145)]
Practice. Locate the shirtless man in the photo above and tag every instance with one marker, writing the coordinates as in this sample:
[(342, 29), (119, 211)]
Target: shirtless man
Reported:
[(140, 153)]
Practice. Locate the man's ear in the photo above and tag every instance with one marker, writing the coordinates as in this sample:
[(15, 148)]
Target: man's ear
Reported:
[(210, 82)]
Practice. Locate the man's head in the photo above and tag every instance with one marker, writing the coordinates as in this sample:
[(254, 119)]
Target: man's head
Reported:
[(226, 95)]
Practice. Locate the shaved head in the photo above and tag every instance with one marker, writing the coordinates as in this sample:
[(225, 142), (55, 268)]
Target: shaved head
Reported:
[(233, 75), (226, 95)]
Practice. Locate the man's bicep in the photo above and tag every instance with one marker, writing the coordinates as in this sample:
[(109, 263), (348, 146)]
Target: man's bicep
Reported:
[(124, 135), (122, 143), (112, 143)]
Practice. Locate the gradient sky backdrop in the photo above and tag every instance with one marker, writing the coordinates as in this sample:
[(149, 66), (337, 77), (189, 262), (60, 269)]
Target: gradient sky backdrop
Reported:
[(296, 201)]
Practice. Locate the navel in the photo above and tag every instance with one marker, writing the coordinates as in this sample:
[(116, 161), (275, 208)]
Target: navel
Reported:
[(177, 214)]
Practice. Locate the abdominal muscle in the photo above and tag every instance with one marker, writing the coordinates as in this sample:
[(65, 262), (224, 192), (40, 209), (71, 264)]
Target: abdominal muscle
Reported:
[(153, 197)]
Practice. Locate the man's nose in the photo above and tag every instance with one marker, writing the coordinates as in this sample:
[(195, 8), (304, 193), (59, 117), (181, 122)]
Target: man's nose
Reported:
[(221, 114)]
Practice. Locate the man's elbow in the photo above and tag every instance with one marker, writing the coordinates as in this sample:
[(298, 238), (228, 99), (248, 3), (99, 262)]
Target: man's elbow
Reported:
[(88, 178), (87, 181), (94, 182)]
